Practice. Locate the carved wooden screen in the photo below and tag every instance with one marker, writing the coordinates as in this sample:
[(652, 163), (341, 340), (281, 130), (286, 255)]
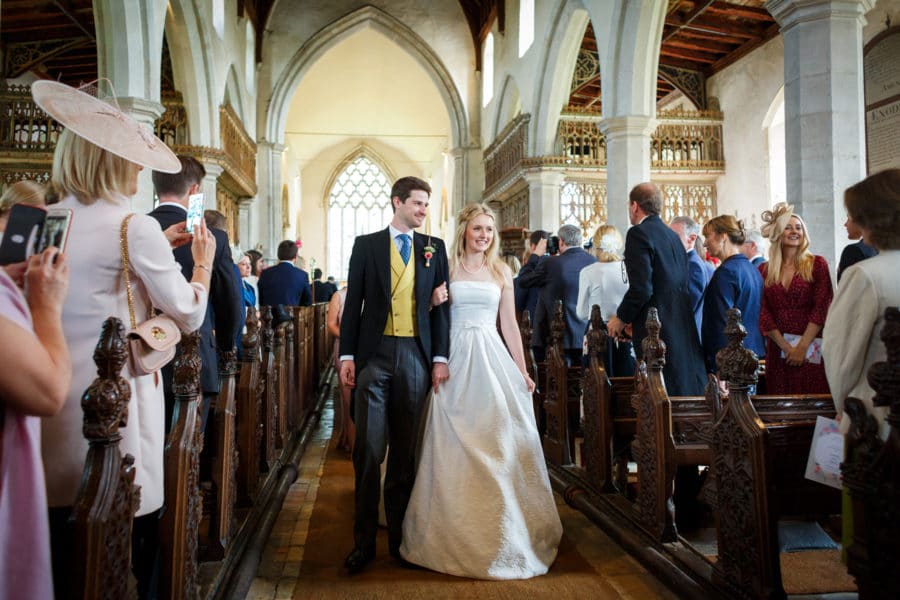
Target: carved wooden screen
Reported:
[(697, 201), (358, 203), (583, 204)]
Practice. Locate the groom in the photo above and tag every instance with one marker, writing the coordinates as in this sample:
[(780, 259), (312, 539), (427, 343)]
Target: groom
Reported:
[(392, 347)]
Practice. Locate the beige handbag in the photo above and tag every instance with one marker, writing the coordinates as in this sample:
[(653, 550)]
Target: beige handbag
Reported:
[(151, 345)]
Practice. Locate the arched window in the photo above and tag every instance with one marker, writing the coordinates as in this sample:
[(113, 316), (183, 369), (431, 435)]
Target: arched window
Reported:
[(358, 203), (487, 70), (775, 153), (218, 17), (526, 26)]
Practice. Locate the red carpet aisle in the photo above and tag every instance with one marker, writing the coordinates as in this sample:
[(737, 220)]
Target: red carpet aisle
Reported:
[(305, 554)]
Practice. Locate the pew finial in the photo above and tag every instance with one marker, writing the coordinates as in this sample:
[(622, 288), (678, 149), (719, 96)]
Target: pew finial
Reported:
[(268, 337), (884, 376), (597, 336), (558, 325), (250, 340), (187, 366), (228, 362), (653, 346), (105, 402), (737, 365)]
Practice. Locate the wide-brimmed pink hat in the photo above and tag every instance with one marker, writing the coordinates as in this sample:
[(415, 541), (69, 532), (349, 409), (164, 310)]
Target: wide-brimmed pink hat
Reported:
[(104, 125)]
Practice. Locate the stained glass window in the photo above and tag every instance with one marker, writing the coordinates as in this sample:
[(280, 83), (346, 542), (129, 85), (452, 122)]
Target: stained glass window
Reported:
[(358, 203)]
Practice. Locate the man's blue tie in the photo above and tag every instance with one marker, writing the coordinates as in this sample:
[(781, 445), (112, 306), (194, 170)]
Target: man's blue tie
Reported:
[(404, 247)]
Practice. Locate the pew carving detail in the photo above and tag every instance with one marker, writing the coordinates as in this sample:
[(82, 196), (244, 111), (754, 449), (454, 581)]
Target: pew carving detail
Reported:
[(748, 562), (872, 475), (598, 435), (180, 522), (655, 448), (267, 381), (107, 497), (531, 366), (248, 411), (556, 436), (226, 458)]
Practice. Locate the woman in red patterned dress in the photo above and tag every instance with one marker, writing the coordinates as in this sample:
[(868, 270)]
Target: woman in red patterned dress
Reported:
[(796, 296)]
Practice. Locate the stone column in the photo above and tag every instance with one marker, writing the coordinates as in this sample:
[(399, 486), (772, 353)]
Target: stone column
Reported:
[(144, 112), (468, 178), (627, 162), (208, 185), (243, 225), (823, 110), (544, 189), (268, 163)]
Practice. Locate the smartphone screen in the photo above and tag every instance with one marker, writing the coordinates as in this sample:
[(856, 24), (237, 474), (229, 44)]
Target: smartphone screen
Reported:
[(22, 231), (195, 211), (56, 230)]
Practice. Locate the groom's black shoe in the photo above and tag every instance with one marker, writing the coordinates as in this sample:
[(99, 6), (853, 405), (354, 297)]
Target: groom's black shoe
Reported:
[(358, 559)]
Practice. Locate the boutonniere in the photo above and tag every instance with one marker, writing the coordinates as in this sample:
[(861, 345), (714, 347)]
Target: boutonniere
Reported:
[(428, 252)]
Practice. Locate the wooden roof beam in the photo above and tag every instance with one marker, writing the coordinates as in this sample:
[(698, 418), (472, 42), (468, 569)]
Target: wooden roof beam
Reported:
[(691, 55), (744, 12)]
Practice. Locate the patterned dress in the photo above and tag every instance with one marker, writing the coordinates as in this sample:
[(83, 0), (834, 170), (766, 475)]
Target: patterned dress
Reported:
[(790, 311)]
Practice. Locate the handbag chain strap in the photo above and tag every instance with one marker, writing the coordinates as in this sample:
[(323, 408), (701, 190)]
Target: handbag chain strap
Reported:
[(123, 242)]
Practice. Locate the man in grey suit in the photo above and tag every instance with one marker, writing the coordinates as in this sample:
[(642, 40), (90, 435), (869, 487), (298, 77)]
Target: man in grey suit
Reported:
[(557, 277)]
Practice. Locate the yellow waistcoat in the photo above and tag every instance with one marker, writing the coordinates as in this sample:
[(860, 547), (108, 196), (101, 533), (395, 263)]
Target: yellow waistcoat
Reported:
[(401, 321)]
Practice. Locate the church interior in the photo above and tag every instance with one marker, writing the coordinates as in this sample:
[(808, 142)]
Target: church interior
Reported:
[(304, 112)]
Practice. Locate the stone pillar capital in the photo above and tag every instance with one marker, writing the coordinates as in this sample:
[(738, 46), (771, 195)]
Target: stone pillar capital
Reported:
[(789, 13), (544, 177), (142, 109), (273, 147), (213, 170), (627, 126)]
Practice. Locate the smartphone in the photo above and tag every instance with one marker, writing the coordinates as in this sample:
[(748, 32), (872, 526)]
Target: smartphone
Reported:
[(22, 232), (56, 230), (195, 211)]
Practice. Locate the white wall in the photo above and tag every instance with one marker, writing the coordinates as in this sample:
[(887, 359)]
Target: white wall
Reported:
[(745, 91)]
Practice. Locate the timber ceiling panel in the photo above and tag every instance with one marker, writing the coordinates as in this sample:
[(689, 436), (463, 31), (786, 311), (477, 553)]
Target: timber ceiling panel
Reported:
[(699, 39)]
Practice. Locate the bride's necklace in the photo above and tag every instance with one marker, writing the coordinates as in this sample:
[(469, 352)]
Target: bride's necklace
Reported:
[(462, 263)]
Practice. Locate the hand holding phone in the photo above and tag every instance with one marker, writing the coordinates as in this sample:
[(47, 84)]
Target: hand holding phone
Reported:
[(55, 232), (195, 211)]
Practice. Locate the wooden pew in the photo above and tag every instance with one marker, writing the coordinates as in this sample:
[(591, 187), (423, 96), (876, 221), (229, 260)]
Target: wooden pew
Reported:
[(871, 473), (557, 436), (248, 404), (107, 498), (291, 388), (181, 517), (224, 462), (269, 393), (531, 367), (753, 478), (279, 384)]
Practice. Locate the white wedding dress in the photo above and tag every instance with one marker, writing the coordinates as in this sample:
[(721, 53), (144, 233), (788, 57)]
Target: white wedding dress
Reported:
[(481, 505)]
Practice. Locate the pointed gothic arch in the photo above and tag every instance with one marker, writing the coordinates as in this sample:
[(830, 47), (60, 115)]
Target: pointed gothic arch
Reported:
[(355, 203), (566, 30), (339, 30), (509, 107)]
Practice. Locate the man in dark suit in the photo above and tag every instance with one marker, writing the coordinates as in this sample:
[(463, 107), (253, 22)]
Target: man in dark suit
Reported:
[(322, 290), (754, 247), (221, 325), (853, 253), (557, 278), (224, 311), (284, 283), (392, 347), (657, 268), (699, 271)]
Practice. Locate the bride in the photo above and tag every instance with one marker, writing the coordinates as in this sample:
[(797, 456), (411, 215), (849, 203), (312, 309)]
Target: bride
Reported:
[(481, 505)]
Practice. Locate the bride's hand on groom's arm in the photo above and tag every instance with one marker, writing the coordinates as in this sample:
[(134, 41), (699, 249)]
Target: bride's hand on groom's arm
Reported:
[(439, 295), (439, 374)]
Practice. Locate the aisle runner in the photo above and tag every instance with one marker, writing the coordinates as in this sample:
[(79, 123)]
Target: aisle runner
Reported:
[(330, 539)]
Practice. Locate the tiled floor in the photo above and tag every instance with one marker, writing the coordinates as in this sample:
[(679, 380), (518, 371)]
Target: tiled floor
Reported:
[(280, 564)]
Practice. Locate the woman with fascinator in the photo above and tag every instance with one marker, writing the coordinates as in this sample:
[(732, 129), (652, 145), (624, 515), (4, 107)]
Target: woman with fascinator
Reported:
[(796, 295), (478, 432), (604, 284), (95, 173)]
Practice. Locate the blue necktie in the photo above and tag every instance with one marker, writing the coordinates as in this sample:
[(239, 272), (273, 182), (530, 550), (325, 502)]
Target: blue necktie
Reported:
[(404, 248)]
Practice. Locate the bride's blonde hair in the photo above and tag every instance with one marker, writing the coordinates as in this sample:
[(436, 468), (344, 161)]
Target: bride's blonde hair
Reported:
[(492, 254)]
